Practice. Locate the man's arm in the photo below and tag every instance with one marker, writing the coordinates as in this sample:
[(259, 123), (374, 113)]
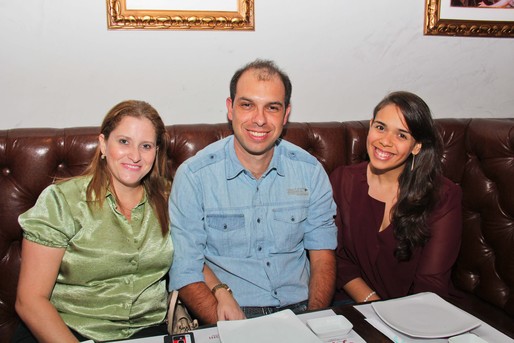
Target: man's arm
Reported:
[(323, 278), (227, 306), (207, 307), (200, 301), (189, 237)]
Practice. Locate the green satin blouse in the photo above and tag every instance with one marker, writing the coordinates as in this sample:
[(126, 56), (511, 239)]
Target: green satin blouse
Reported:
[(111, 281)]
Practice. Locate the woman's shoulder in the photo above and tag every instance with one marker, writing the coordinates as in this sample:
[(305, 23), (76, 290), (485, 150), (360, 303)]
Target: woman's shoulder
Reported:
[(450, 197), (347, 179), (449, 188), (349, 170), (73, 182), (72, 187)]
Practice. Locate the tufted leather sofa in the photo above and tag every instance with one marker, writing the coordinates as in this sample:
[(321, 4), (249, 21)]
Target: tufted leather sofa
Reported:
[(479, 155)]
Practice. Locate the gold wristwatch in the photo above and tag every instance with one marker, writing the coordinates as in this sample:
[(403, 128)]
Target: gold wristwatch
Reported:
[(220, 285)]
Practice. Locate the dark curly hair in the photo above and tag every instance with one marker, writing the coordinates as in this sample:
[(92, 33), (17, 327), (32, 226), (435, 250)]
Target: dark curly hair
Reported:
[(418, 187)]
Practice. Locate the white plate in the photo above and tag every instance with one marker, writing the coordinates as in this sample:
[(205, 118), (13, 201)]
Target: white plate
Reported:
[(425, 315), (283, 326)]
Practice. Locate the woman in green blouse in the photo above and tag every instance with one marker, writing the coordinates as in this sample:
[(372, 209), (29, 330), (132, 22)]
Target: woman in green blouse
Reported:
[(96, 248)]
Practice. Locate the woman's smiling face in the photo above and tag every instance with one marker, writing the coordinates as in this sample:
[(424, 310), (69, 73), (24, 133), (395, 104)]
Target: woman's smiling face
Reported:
[(130, 151), (389, 142)]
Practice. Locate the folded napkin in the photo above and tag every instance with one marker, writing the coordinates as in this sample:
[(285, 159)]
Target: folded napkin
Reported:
[(281, 326)]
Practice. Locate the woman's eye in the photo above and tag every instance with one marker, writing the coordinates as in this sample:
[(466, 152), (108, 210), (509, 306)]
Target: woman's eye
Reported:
[(123, 141), (403, 136), (148, 146)]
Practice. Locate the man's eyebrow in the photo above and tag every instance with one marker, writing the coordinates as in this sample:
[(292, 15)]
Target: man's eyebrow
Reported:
[(279, 103), (276, 103)]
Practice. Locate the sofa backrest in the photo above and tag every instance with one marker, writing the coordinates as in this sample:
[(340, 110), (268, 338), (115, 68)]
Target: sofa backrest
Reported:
[(478, 155)]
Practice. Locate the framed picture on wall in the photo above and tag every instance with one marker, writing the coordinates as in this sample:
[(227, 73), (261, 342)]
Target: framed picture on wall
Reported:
[(475, 18), (181, 14)]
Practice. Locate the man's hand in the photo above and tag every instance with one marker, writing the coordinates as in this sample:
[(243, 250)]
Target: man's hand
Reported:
[(228, 308)]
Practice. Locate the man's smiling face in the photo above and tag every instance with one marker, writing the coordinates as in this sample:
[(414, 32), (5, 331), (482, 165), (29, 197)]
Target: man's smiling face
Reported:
[(258, 114)]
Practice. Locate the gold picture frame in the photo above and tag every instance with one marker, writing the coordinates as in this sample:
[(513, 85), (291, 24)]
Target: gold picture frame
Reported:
[(119, 17), (443, 19)]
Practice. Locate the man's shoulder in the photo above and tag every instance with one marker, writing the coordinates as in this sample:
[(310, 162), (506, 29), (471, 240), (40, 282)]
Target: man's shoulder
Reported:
[(295, 153), (211, 154)]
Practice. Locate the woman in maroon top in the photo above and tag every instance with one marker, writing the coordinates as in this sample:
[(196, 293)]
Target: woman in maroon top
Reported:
[(399, 219)]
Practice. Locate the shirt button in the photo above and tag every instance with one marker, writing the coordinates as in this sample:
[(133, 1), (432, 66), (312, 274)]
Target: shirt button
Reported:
[(259, 249), (258, 220), (268, 264), (133, 262), (275, 292), (292, 219)]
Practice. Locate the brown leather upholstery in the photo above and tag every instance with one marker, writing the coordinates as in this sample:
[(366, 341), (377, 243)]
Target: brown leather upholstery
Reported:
[(479, 155)]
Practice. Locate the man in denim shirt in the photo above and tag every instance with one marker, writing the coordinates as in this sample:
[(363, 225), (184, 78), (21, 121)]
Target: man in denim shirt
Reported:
[(252, 215)]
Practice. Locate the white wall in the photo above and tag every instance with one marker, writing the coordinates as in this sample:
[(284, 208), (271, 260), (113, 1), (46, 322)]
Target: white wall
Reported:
[(61, 67)]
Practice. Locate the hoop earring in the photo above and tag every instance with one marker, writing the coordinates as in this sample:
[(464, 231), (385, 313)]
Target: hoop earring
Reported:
[(412, 164)]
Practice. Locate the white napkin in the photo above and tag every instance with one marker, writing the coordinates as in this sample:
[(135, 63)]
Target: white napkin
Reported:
[(281, 326)]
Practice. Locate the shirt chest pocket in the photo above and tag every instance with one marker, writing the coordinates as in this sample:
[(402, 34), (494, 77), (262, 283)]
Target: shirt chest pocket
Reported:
[(226, 234), (288, 229)]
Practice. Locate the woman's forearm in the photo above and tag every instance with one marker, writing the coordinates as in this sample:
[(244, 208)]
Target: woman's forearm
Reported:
[(359, 290), (43, 320)]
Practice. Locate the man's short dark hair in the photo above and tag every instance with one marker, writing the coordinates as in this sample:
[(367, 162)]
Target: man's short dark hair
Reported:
[(268, 69)]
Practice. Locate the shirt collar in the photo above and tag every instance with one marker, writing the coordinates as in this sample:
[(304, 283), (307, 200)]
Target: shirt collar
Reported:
[(234, 166), (110, 196)]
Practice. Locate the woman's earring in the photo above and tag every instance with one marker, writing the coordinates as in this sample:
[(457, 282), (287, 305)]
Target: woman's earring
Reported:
[(412, 164), (102, 157)]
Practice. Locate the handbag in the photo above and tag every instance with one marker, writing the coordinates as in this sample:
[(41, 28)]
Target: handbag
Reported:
[(179, 320)]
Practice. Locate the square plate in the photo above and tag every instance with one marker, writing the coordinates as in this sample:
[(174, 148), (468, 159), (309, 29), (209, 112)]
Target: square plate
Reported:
[(425, 315)]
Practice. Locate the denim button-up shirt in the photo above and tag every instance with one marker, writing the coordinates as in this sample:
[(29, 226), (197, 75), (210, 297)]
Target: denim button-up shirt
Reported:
[(253, 233)]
